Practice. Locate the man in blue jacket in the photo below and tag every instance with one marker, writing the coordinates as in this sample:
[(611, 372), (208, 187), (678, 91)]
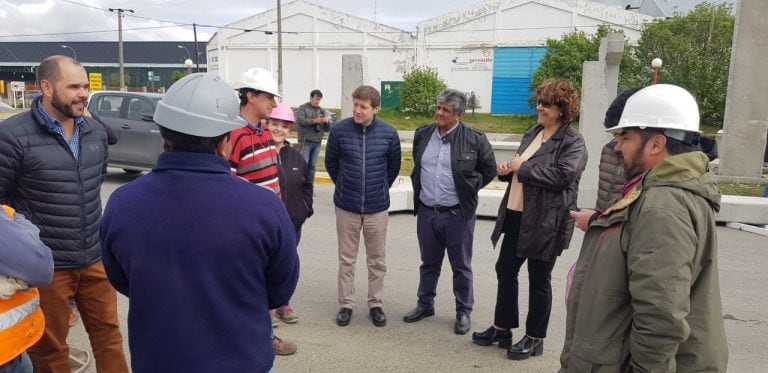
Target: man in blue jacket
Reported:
[(363, 159), (203, 255)]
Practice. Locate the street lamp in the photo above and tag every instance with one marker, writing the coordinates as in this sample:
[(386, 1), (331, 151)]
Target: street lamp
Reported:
[(73, 50), (189, 56), (188, 64), (656, 65)]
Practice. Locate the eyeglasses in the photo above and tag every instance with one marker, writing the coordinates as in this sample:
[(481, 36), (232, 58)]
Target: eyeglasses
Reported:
[(544, 102)]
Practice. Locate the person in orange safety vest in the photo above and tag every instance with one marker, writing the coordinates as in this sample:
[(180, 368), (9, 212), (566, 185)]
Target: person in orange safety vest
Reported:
[(25, 262)]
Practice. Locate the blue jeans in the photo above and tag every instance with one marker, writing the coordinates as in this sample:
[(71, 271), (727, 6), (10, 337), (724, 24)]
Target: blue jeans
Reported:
[(311, 152), (21, 364)]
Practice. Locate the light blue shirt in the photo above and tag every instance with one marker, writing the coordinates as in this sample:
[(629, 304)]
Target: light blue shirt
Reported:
[(437, 187), (56, 127)]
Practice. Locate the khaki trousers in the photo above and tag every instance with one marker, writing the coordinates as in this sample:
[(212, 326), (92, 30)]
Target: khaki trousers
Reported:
[(374, 228), (97, 302)]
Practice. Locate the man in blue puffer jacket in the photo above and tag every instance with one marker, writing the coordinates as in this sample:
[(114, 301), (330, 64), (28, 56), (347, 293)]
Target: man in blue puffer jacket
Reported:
[(363, 159)]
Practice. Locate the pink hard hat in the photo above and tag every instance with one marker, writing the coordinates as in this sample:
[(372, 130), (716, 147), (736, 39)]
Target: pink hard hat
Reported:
[(284, 112)]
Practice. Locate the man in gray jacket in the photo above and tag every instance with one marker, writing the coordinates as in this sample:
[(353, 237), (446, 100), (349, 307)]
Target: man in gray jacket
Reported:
[(645, 295), (313, 122)]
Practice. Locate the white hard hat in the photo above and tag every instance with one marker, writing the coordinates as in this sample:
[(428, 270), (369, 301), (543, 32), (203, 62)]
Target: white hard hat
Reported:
[(662, 106), (200, 105), (258, 79)]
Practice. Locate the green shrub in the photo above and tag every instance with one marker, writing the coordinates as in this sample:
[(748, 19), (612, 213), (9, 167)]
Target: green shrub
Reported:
[(420, 89)]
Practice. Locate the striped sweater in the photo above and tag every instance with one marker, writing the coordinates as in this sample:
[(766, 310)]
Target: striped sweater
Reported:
[(254, 157)]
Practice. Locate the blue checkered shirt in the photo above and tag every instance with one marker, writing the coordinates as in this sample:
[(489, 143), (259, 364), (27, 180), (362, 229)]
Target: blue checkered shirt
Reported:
[(54, 126)]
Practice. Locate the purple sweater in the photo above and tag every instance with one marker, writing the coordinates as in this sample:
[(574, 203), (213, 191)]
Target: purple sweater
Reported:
[(202, 255)]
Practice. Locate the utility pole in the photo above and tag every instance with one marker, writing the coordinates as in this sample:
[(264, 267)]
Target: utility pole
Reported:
[(279, 49), (120, 43), (197, 51)]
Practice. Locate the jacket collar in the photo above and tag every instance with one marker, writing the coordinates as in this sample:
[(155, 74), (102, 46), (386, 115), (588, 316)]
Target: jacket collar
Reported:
[(194, 162)]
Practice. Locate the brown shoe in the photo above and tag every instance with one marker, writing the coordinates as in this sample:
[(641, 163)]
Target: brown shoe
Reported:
[(283, 348)]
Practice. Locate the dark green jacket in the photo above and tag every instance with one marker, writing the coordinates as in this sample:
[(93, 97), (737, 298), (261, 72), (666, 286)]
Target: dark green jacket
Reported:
[(645, 295)]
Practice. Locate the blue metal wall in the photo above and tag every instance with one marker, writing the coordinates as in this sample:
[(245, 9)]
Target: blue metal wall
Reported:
[(512, 71)]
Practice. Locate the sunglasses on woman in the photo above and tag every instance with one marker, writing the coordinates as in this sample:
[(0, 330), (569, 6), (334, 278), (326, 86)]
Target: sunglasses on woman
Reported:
[(543, 102)]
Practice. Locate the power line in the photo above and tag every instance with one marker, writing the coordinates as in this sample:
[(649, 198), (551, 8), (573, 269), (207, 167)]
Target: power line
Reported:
[(87, 32)]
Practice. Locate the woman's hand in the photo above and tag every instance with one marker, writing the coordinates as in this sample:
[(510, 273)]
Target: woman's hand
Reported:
[(503, 169), (515, 163)]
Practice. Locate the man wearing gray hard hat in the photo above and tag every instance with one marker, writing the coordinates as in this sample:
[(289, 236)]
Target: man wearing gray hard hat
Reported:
[(191, 247)]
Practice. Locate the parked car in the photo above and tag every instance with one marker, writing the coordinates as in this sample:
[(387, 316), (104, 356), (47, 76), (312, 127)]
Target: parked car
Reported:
[(138, 140)]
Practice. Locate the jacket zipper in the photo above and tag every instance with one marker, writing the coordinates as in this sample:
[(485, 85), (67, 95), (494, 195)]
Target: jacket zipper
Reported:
[(362, 194)]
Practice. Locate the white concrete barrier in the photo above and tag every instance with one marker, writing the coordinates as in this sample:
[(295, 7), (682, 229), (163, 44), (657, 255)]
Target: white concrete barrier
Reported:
[(748, 210)]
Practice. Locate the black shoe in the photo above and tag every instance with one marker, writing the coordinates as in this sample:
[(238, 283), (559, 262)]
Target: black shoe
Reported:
[(344, 316), (493, 335), (377, 316), (527, 347), (462, 324), (418, 313)]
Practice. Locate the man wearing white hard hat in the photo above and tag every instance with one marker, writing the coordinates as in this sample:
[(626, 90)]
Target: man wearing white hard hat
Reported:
[(645, 295), (254, 156), (192, 248)]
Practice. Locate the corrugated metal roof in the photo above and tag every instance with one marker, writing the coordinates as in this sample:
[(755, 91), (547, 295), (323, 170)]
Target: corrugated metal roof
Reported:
[(103, 52)]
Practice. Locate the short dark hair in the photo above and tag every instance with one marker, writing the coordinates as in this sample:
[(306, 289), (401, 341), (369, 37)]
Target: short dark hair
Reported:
[(50, 68), (316, 93), (613, 114), (181, 142), (455, 98), (366, 92), (674, 146), (242, 93)]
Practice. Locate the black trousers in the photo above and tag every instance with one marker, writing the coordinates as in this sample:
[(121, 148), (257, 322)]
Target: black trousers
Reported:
[(507, 313)]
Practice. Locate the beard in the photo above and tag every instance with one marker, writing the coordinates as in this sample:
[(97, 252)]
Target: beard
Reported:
[(636, 166), (64, 108)]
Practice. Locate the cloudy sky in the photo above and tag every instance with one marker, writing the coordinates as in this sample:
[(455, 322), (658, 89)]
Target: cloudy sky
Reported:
[(79, 20)]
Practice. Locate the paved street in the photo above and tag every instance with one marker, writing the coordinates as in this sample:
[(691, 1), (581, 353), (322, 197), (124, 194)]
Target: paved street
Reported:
[(430, 345)]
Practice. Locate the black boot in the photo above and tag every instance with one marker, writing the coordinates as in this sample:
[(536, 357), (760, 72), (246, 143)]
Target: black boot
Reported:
[(527, 347), (493, 335)]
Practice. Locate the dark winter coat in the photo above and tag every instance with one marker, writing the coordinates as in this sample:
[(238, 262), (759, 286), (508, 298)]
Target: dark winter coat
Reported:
[(550, 179), (40, 178), (472, 162), (202, 256), (295, 187), (363, 162)]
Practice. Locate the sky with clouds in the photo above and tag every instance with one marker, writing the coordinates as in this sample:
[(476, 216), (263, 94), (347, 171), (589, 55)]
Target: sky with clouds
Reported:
[(90, 20)]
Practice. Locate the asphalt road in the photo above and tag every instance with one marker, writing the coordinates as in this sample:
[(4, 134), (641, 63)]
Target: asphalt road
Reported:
[(430, 345)]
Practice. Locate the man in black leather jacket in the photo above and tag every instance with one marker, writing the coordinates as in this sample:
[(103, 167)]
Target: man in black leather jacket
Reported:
[(452, 162)]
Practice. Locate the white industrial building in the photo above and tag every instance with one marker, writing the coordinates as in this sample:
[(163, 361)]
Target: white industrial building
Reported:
[(491, 48)]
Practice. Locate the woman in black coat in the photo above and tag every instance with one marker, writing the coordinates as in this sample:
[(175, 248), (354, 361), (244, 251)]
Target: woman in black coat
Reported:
[(543, 183), (295, 186)]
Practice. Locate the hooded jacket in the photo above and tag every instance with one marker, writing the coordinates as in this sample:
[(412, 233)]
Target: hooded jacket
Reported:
[(645, 295)]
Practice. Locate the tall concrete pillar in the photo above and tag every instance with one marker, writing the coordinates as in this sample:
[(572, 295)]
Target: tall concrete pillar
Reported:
[(599, 83), (746, 109), (352, 76)]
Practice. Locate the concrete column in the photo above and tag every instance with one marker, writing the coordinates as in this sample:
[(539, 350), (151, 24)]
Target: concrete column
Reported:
[(746, 111), (352, 76), (599, 83)]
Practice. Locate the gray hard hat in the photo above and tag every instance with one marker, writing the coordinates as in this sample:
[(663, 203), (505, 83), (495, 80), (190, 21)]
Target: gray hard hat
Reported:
[(200, 105)]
